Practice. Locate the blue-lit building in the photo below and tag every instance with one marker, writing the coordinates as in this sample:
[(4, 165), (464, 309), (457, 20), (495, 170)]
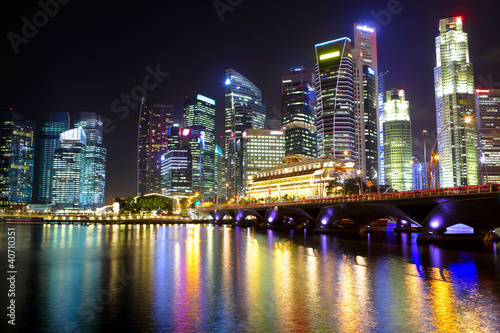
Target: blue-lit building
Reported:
[(381, 101), (298, 106), (335, 98), (220, 183), (48, 142), (199, 115), (94, 176), (17, 156), (419, 174), (244, 109), (177, 164), (69, 171)]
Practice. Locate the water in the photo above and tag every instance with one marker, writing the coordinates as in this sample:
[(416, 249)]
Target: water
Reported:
[(205, 278)]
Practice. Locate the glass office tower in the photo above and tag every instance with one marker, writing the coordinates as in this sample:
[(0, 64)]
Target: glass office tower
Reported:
[(454, 87), (17, 156), (335, 96), (49, 141), (244, 109), (153, 129), (298, 106), (488, 125), (397, 142)]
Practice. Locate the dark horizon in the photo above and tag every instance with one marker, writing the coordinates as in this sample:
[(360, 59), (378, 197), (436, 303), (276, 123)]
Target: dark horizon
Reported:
[(87, 55)]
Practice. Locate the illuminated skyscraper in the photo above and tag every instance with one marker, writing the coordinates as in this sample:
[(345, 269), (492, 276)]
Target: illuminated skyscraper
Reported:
[(17, 156), (244, 109), (397, 142), (94, 175), (69, 171), (220, 183), (381, 101), (488, 124), (365, 74), (262, 149), (199, 114), (176, 165), (335, 96), (49, 141), (454, 87), (298, 105), (153, 129)]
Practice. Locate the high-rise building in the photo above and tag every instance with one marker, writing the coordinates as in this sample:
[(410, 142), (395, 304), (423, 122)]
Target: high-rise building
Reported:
[(397, 141), (365, 72), (454, 87), (262, 149), (69, 171), (193, 139), (335, 96), (381, 102), (220, 183), (177, 164), (153, 128), (298, 106), (17, 156), (199, 112), (419, 175), (244, 109), (488, 124), (49, 141), (94, 174)]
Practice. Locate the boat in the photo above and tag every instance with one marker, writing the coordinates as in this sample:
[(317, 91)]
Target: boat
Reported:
[(23, 220)]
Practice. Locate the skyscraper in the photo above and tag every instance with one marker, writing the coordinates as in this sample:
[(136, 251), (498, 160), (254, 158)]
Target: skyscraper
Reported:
[(177, 164), (454, 87), (69, 171), (381, 102), (199, 111), (334, 93), (49, 141), (262, 149), (220, 183), (397, 141), (298, 106), (488, 124), (17, 156), (244, 109), (365, 74), (153, 128), (94, 175)]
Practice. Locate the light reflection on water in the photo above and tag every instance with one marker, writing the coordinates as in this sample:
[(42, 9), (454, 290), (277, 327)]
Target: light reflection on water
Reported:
[(205, 278)]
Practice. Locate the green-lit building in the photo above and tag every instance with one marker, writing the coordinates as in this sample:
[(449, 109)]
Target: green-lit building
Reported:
[(199, 115), (397, 141), (298, 106)]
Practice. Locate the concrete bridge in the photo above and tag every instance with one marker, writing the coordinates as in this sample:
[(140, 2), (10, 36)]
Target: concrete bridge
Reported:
[(434, 213)]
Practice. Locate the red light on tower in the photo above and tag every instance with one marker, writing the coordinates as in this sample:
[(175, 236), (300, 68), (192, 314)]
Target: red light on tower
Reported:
[(10, 109), (459, 20)]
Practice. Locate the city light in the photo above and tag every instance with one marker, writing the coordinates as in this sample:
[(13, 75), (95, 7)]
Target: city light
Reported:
[(329, 55)]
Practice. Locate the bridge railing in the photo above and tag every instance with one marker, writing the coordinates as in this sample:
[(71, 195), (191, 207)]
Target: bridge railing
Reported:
[(463, 190)]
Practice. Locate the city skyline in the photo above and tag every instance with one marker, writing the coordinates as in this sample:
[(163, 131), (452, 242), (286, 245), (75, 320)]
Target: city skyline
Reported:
[(82, 93)]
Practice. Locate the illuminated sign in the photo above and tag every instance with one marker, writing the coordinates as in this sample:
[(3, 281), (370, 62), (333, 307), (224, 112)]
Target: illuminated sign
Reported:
[(371, 71), (333, 41), (186, 132), (276, 132), (482, 91), (228, 81), (365, 28), (205, 99), (329, 55)]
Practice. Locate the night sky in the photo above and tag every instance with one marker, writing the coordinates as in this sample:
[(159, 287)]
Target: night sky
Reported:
[(90, 53)]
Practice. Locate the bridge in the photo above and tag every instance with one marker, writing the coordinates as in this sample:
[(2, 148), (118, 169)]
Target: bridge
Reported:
[(434, 213)]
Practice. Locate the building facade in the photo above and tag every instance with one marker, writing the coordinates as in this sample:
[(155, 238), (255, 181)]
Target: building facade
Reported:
[(381, 102), (488, 126), (199, 112), (49, 141), (397, 142), (365, 72), (455, 103), (335, 95), (94, 175), (17, 157), (155, 119), (69, 171), (298, 106), (262, 149), (244, 110)]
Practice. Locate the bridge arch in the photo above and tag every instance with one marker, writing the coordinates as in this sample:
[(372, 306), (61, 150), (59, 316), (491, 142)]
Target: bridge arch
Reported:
[(291, 217), (240, 218)]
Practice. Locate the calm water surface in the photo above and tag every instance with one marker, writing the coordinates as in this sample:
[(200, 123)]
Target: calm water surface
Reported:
[(197, 278)]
